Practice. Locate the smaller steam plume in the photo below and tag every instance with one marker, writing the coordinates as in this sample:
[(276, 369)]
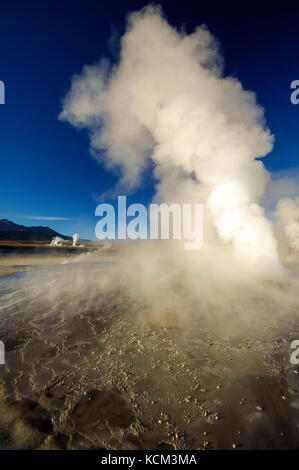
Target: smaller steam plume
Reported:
[(57, 241), (75, 239)]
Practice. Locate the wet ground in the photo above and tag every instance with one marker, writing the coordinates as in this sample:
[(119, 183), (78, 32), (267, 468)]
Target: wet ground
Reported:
[(90, 368)]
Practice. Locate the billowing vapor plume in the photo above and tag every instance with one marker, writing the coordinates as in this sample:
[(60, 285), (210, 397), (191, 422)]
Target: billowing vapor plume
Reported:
[(57, 241), (75, 239), (287, 213), (167, 101)]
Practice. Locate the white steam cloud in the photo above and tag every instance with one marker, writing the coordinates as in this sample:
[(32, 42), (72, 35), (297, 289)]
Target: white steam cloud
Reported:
[(167, 101), (75, 239), (287, 213)]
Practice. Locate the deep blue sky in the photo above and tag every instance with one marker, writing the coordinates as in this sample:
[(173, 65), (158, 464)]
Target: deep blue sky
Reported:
[(46, 169)]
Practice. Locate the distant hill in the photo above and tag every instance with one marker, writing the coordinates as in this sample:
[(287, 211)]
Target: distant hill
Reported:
[(10, 231)]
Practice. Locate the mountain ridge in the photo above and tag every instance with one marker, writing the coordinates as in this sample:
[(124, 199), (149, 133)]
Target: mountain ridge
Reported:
[(10, 231)]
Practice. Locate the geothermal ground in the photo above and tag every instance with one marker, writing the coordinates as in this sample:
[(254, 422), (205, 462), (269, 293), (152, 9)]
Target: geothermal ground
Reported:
[(92, 370)]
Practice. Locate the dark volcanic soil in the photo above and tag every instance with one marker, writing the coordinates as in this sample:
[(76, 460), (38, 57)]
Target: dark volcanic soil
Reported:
[(112, 375)]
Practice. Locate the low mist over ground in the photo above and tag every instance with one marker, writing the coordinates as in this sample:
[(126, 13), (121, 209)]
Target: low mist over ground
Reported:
[(93, 361)]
